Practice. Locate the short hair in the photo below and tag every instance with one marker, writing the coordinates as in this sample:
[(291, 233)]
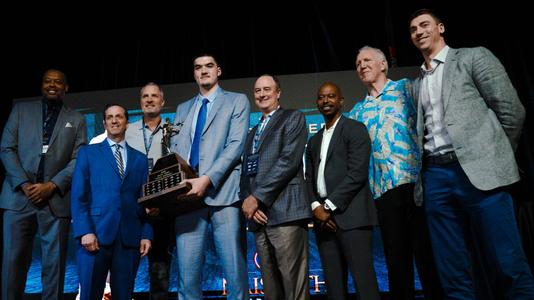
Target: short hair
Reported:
[(276, 80), (379, 52), (152, 84), (202, 54), (425, 11), (114, 104), (59, 71)]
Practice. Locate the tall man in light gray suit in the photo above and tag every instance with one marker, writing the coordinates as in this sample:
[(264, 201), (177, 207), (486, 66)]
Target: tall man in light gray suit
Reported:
[(215, 124), (274, 194), (39, 147), (469, 121)]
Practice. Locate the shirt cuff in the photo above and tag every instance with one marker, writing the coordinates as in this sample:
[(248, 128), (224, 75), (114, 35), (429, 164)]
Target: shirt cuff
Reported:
[(315, 204), (329, 205)]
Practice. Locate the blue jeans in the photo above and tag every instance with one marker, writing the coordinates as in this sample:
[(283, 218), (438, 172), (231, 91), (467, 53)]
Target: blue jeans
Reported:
[(462, 217)]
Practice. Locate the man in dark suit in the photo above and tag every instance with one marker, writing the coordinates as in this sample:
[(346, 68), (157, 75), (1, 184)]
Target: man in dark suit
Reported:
[(39, 147), (337, 161), (109, 224), (274, 194), (469, 119)]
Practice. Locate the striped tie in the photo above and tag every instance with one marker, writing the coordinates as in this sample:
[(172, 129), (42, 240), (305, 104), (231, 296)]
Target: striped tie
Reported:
[(118, 158)]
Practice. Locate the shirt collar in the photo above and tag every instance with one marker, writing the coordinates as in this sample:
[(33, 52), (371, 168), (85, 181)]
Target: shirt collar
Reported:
[(270, 114), (333, 126), (438, 59), (211, 97), (112, 143)]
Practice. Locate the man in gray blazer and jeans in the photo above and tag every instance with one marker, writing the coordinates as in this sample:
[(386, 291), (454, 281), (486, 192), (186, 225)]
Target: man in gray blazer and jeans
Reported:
[(469, 121)]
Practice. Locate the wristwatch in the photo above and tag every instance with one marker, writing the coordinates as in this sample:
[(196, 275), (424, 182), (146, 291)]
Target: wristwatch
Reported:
[(327, 207)]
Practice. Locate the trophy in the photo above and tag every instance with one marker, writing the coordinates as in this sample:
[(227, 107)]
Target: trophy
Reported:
[(165, 188)]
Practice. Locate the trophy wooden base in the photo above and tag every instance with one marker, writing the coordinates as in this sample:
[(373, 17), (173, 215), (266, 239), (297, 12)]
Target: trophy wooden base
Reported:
[(166, 190)]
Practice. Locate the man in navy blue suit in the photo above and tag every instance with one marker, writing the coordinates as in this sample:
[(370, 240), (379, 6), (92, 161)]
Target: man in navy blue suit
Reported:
[(107, 221)]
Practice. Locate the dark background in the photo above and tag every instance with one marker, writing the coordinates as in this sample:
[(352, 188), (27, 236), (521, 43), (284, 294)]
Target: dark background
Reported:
[(100, 47)]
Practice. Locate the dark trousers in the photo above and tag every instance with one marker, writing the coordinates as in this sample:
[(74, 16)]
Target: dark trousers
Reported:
[(160, 256), (404, 234), (346, 250), (463, 218)]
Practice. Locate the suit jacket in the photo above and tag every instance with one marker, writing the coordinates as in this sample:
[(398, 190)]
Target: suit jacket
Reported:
[(21, 152), (135, 138), (279, 184), (346, 173), (221, 143), (102, 202), (483, 115)]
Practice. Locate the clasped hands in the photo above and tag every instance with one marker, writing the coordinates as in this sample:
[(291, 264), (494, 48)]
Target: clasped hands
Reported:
[(251, 210), (324, 218)]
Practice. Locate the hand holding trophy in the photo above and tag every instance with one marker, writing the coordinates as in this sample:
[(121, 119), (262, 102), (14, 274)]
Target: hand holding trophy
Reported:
[(165, 188)]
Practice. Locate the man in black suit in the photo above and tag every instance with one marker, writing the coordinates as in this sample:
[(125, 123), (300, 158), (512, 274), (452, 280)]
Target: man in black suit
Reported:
[(274, 194), (344, 214)]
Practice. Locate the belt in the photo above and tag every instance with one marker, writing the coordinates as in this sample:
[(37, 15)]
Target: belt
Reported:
[(442, 159)]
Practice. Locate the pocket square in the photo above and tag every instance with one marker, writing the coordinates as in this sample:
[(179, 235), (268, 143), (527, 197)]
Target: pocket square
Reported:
[(68, 124)]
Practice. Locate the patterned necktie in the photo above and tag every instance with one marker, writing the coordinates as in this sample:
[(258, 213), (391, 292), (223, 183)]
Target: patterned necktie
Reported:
[(195, 147), (118, 159), (259, 131)]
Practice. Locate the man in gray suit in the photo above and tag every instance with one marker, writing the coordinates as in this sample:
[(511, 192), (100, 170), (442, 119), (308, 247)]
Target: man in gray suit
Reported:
[(145, 136), (38, 150), (274, 194), (469, 121), (215, 124)]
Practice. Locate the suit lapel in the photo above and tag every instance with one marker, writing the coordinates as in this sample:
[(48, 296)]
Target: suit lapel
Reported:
[(108, 154), (60, 123), (215, 108), (448, 77), (316, 153), (335, 137), (35, 120), (130, 160), (184, 137), (250, 138), (272, 123)]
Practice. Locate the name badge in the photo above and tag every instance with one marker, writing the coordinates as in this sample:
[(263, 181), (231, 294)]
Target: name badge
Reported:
[(44, 149), (150, 164), (251, 165)]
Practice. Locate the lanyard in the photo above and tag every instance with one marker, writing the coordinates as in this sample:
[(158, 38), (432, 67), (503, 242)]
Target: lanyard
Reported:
[(149, 144)]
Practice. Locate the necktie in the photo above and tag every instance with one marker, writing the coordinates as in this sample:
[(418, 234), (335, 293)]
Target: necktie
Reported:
[(118, 159), (259, 131), (195, 147)]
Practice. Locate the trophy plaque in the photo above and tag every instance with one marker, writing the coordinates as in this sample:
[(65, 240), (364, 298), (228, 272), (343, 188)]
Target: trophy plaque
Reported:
[(165, 188)]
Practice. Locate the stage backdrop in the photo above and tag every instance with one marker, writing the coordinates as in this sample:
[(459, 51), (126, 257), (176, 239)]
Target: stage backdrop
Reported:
[(298, 92)]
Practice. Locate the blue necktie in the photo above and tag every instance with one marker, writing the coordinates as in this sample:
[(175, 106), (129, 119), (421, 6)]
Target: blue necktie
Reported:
[(195, 147)]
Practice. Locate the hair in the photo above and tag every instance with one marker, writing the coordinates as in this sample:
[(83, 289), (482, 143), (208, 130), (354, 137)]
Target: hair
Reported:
[(276, 80), (379, 52), (152, 84), (114, 104), (59, 71), (425, 11), (202, 54)]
